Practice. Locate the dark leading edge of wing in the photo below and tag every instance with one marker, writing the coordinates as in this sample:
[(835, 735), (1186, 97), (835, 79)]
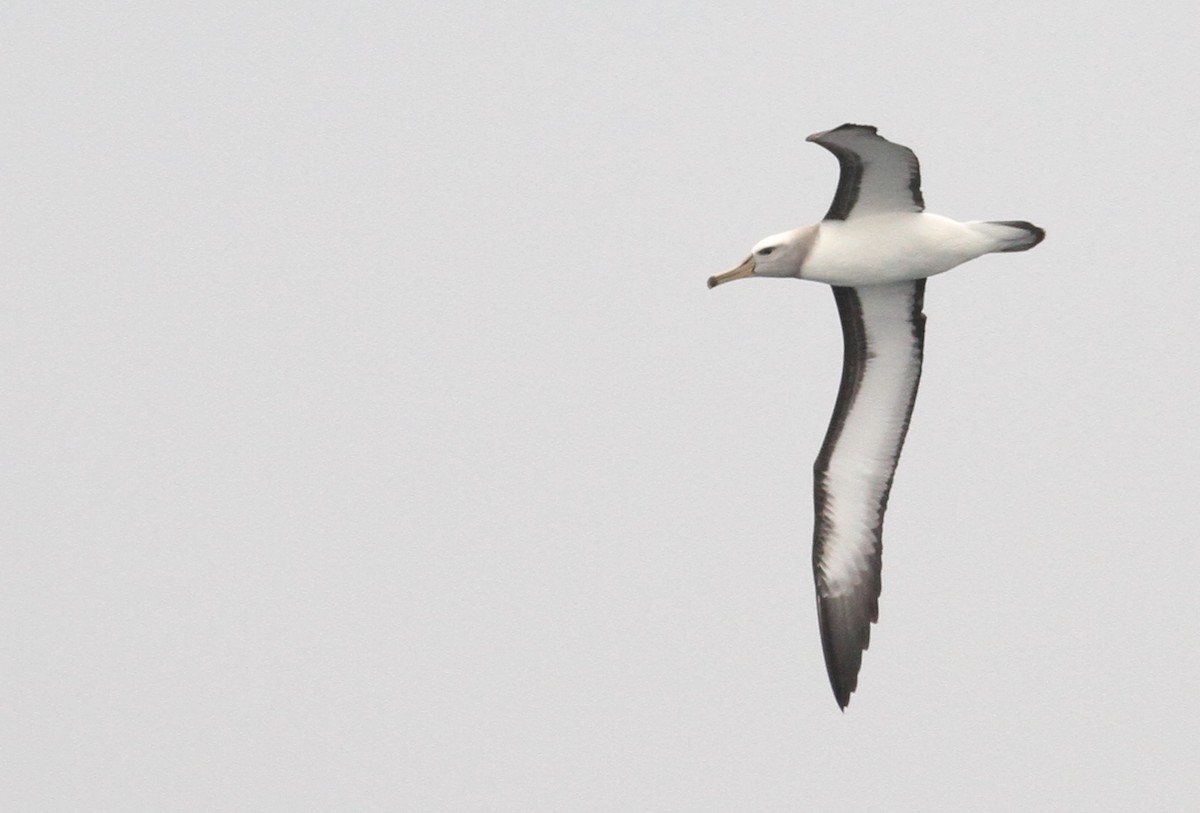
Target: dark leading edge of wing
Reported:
[(884, 329), (876, 175)]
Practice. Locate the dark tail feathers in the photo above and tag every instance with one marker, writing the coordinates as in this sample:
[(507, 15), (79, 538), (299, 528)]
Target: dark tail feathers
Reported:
[(1033, 236)]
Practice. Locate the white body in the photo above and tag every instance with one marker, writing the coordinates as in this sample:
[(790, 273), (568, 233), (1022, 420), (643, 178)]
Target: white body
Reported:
[(897, 246)]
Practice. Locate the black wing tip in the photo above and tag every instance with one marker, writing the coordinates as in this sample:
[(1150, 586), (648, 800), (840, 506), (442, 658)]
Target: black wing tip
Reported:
[(842, 688), (845, 635), (843, 679), (869, 129)]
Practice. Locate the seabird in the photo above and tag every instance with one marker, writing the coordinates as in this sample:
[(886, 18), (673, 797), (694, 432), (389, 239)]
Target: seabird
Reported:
[(875, 247)]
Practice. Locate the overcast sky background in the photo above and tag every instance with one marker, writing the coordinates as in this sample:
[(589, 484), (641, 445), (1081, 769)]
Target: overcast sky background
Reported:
[(370, 440)]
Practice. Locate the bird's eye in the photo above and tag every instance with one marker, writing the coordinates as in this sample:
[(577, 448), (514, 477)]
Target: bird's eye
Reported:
[(765, 251)]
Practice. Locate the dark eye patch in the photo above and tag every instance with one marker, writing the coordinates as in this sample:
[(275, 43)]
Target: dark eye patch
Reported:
[(765, 251)]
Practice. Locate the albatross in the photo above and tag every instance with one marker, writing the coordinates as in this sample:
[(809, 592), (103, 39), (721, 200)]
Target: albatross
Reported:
[(875, 247)]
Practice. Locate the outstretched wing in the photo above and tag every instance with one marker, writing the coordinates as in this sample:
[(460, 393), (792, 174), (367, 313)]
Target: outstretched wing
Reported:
[(884, 332), (877, 175)]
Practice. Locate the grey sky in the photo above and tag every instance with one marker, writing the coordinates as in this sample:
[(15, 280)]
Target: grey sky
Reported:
[(371, 441)]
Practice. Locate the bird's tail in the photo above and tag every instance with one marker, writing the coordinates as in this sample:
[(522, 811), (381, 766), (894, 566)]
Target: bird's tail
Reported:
[(1010, 235)]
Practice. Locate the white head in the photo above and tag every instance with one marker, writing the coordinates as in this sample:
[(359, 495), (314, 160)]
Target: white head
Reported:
[(780, 255)]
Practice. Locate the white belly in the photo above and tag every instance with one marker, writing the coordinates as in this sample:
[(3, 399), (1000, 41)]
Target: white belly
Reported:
[(891, 247)]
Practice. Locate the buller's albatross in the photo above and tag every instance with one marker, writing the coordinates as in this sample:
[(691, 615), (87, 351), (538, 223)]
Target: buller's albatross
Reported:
[(875, 246)]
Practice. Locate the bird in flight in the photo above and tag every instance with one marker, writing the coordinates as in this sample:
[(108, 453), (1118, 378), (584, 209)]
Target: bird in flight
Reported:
[(875, 247)]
